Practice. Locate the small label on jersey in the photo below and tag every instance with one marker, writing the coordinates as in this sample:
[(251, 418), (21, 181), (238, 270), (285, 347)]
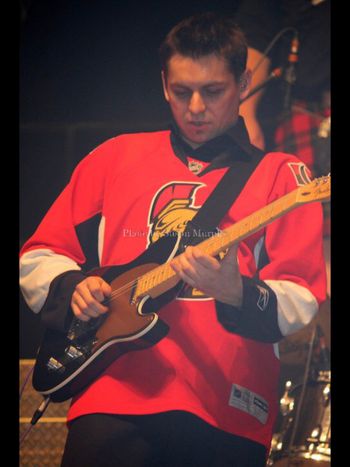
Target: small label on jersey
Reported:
[(250, 402), (195, 166)]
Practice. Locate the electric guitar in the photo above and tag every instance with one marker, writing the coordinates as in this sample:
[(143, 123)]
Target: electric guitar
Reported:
[(67, 362)]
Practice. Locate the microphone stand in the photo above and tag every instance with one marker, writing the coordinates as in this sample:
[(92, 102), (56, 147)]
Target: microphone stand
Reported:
[(275, 74), (290, 73)]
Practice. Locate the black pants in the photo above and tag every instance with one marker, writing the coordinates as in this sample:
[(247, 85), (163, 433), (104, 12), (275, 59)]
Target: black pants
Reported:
[(171, 439)]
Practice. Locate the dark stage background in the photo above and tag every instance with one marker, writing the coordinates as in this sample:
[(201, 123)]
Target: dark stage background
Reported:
[(89, 70)]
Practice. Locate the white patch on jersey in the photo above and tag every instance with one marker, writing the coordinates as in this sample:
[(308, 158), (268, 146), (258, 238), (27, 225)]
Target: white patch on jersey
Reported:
[(38, 268), (296, 306), (300, 172), (276, 350), (101, 233), (248, 401), (257, 250)]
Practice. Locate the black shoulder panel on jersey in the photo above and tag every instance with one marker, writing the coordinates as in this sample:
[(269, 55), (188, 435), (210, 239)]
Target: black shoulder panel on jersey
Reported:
[(87, 233), (263, 259)]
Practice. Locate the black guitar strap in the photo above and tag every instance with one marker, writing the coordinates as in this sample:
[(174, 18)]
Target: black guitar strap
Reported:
[(209, 216)]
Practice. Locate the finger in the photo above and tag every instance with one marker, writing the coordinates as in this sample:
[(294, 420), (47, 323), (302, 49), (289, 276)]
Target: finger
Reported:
[(204, 260), (231, 255), (233, 250), (98, 288), (87, 297), (78, 313), (86, 308), (182, 274), (185, 267), (106, 288), (189, 280), (88, 302)]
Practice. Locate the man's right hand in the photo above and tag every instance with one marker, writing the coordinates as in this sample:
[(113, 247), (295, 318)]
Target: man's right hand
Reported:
[(87, 298)]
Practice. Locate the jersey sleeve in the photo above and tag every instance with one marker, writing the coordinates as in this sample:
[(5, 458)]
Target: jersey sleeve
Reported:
[(290, 282), (54, 254), (294, 262)]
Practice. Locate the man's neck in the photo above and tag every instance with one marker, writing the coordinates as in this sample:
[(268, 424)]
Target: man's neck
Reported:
[(195, 145)]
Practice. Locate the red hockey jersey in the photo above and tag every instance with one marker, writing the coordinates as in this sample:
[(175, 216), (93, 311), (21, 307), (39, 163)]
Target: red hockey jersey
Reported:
[(141, 191)]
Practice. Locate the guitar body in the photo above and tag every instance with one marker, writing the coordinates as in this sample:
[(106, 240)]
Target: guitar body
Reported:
[(67, 362)]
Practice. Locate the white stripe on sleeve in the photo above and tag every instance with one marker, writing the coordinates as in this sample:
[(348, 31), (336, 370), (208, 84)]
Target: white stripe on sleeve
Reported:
[(38, 268), (296, 305)]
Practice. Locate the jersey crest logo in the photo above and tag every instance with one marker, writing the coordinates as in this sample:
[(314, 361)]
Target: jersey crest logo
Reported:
[(300, 172), (172, 207)]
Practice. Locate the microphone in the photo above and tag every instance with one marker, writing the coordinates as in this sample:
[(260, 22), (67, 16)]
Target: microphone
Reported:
[(276, 73), (290, 73)]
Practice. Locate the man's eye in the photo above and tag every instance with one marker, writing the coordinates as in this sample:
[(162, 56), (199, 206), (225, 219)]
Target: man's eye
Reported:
[(182, 94), (213, 92)]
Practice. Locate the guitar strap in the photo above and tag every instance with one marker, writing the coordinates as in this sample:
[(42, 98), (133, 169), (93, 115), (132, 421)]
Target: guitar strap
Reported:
[(209, 216)]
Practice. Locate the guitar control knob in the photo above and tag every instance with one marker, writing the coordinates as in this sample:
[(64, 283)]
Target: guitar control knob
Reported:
[(73, 353), (55, 365)]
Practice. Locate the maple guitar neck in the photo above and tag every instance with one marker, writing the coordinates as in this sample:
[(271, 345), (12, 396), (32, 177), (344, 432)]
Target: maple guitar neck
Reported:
[(163, 277)]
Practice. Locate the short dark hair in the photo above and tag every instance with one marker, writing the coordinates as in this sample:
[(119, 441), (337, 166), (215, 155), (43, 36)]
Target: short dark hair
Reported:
[(204, 34)]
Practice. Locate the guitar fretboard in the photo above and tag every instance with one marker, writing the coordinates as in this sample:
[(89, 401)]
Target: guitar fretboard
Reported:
[(163, 277)]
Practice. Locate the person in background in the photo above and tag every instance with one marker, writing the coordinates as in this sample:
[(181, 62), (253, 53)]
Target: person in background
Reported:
[(292, 113)]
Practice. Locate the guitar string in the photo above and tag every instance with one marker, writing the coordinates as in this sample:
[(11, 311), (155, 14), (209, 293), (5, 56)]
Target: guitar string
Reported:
[(125, 288), (129, 285)]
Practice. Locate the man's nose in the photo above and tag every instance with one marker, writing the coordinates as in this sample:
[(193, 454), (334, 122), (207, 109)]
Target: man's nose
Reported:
[(197, 104)]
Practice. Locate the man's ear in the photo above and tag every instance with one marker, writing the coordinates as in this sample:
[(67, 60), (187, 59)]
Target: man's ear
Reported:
[(244, 83), (166, 94)]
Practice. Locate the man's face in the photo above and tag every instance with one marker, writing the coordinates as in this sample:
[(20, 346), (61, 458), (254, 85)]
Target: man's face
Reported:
[(203, 96)]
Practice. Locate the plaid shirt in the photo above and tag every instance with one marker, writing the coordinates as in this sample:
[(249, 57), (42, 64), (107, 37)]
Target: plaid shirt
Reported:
[(299, 133), (305, 132)]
